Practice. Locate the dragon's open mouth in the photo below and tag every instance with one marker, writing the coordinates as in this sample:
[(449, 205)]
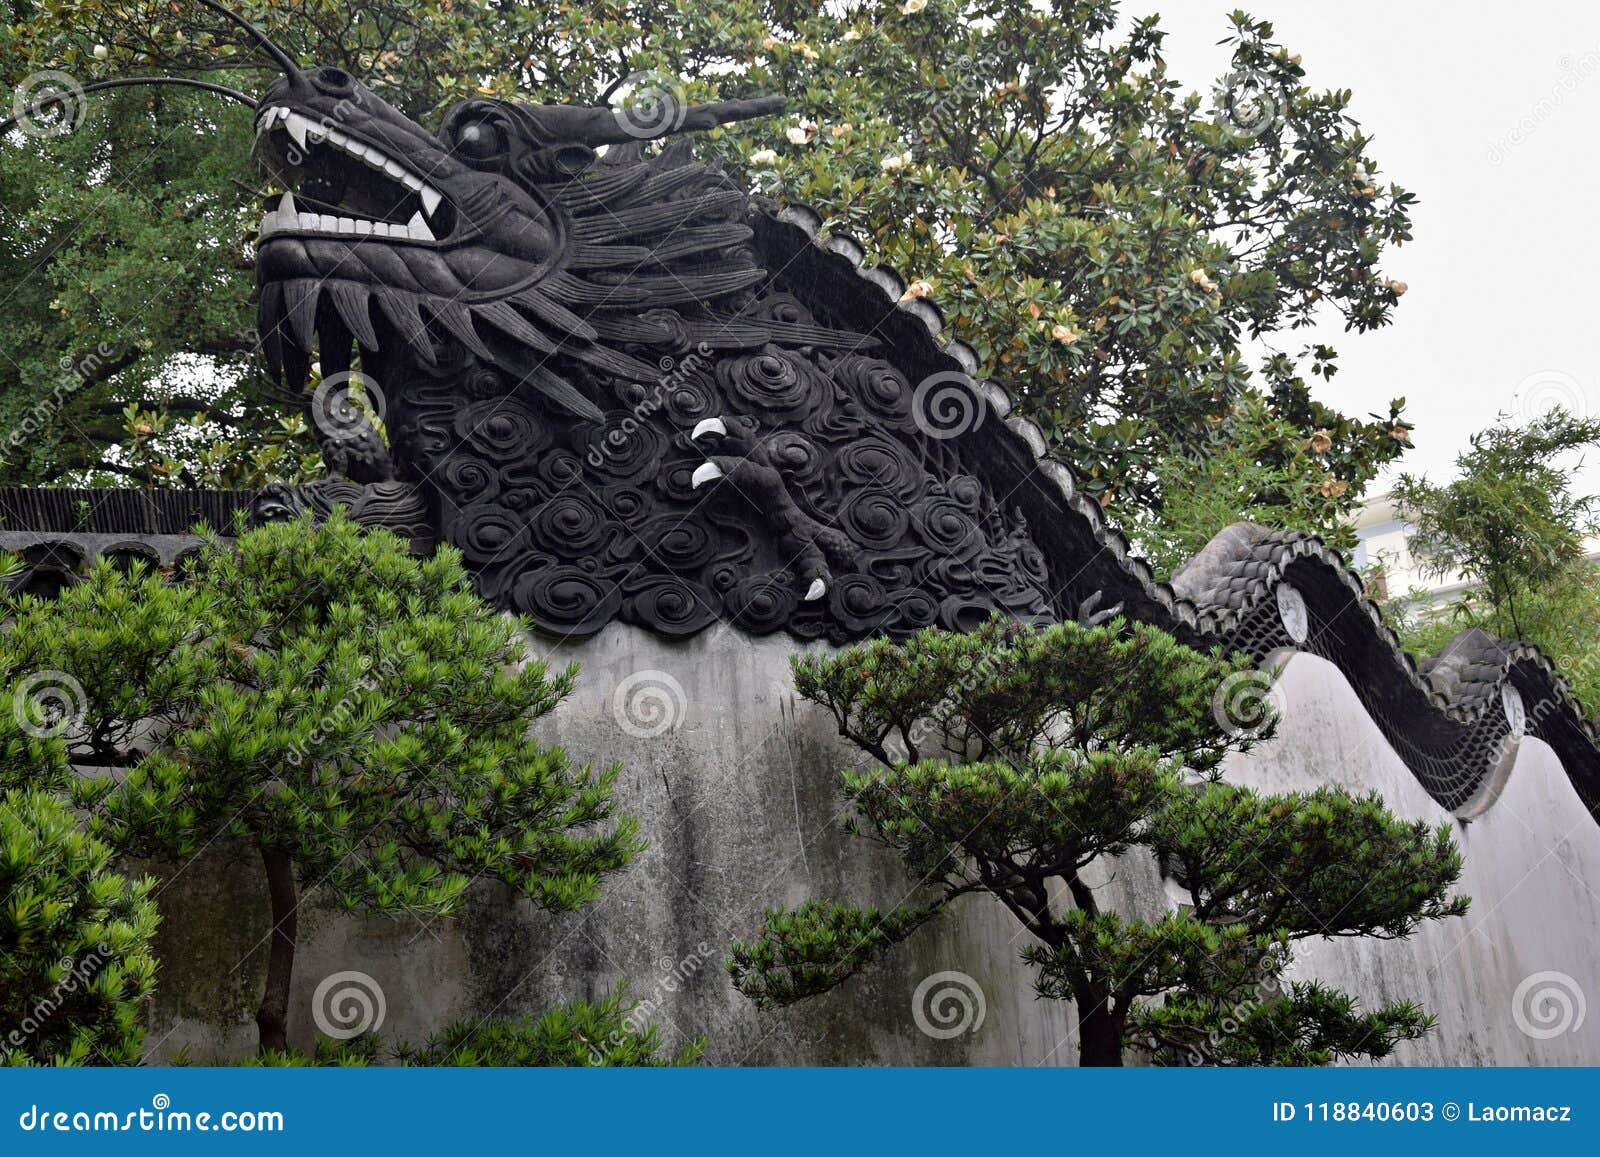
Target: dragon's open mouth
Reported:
[(341, 185)]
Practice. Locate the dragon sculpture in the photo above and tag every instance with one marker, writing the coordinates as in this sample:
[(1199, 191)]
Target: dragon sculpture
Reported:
[(599, 382), (628, 390)]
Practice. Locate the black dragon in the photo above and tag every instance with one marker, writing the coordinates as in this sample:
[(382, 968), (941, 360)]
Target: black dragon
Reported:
[(627, 389), (599, 380)]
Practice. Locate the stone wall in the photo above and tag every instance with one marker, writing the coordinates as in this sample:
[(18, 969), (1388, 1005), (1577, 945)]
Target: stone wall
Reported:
[(734, 780)]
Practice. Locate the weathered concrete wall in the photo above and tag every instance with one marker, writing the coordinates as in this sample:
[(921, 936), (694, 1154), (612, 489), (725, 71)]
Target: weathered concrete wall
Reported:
[(734, 782), (1508, 980)]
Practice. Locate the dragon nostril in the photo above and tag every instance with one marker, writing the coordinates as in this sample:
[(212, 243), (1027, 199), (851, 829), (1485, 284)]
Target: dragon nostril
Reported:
[(333, 80)]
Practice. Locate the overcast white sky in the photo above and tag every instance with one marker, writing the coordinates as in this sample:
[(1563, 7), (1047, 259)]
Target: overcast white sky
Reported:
[(1492, 117)]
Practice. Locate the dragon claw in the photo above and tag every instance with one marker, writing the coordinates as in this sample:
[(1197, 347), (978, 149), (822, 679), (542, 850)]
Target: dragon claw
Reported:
[(814, 550), (703, 473), (709, 426)]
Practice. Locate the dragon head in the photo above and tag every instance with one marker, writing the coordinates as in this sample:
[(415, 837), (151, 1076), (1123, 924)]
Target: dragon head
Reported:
[(510, 237), (504, 232)]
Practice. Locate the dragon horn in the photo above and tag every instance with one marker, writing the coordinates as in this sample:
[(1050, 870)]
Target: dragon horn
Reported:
[(699, 117), (64, 96), (595, 125)]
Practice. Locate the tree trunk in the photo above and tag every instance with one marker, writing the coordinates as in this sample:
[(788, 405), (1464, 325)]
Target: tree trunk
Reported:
[(272, 1018), (1099, 1037)]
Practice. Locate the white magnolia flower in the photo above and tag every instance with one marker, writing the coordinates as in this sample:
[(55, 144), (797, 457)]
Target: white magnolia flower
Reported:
[(797, 135), (912, 7), (894, 161), (763, 157), (101, 52)]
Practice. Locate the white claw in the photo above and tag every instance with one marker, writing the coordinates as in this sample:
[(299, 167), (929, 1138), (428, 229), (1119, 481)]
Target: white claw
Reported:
[(703, 473), (815, 591), (430, 199), (708, 426)]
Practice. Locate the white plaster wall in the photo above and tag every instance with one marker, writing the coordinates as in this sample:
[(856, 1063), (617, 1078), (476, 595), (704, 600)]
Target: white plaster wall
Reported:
[(737, 797), (1531, 867)]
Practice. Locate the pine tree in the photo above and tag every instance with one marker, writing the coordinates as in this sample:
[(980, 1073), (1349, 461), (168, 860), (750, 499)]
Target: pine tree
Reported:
[(356, 716), (75, 936), (1011, 759)]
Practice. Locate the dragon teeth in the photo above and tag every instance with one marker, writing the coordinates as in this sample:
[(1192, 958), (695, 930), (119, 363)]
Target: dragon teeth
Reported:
[(304, 130)]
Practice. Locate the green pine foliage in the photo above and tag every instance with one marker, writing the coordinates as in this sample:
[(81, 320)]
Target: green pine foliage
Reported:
[(608, 1032), (75, 939), (1301, 1025), (1012, 758), (355, 715), (816, 948), (603, 1033)]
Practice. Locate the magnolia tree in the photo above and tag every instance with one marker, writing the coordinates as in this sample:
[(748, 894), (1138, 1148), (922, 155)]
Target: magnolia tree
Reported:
[(1011, 760), (1109, 237), (355, 716)]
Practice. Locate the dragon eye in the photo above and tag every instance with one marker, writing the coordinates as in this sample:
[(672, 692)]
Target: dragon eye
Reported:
[(480, 140)]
